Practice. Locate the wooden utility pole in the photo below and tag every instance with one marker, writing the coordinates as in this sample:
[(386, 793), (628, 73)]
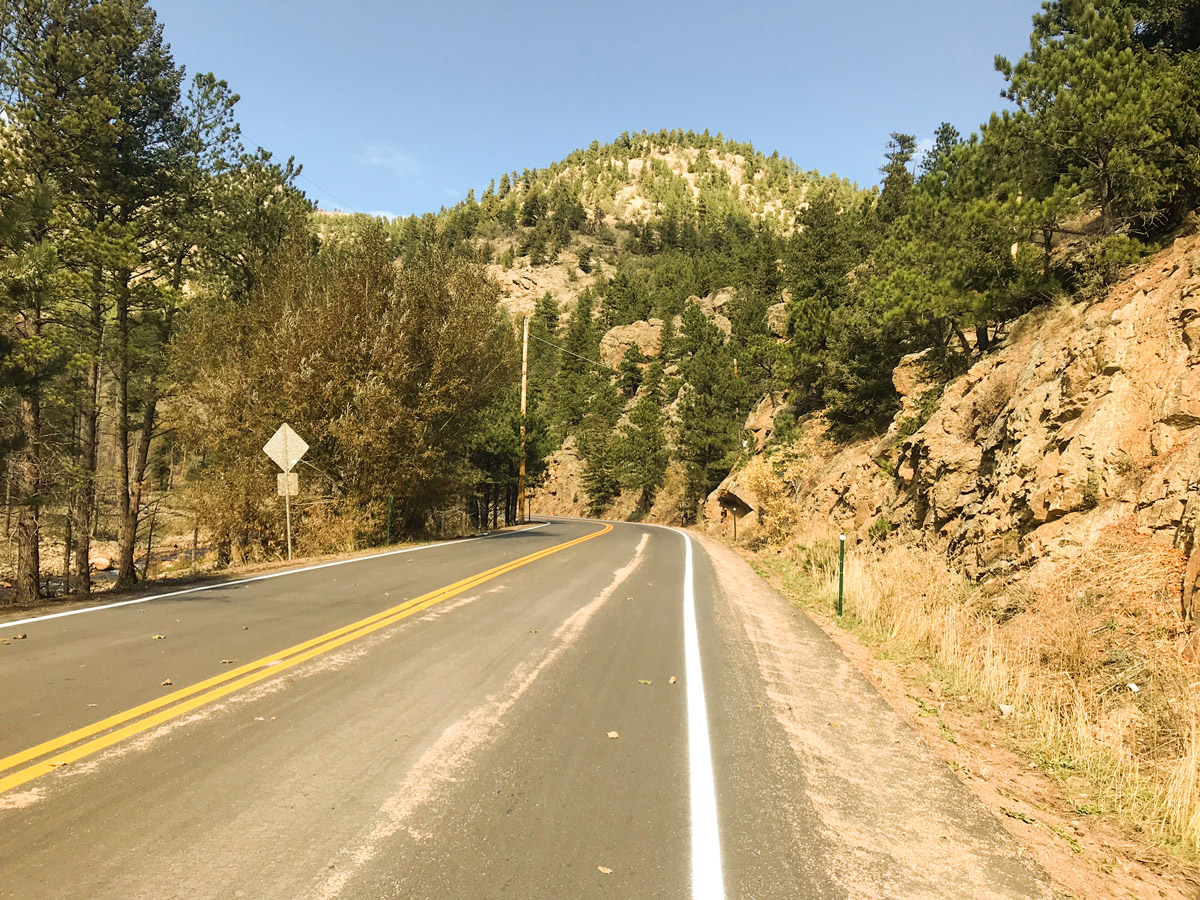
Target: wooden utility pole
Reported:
[(524, 385)]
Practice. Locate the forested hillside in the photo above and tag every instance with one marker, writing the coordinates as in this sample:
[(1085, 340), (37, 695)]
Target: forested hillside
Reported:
[(171, 296), (676, 280)]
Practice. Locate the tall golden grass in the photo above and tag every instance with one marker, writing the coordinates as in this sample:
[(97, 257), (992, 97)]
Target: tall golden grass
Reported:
[(1061, 647)]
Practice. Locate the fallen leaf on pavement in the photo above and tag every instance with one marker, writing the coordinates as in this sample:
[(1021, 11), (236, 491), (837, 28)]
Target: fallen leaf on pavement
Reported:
[(672, 680), (20, 637), (644, 681), (158, 637), (227, 662), (613, 734), (604, 870), (168, 681)]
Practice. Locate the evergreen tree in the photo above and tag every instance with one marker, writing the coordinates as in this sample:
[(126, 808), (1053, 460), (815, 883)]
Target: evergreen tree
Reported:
[(708, 408), (575, 382), (827, 244), (31, 349), (1118, 122), (629, 371), (642, 450), (937, 157), (897, 179), (598, 446)]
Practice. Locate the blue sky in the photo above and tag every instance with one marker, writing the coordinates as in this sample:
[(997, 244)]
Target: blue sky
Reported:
[(401, 107)]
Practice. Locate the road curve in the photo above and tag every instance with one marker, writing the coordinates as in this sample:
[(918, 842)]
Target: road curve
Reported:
[(574, 710)]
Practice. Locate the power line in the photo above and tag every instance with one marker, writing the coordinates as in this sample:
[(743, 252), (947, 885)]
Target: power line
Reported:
[(594, 362), (301, 175)]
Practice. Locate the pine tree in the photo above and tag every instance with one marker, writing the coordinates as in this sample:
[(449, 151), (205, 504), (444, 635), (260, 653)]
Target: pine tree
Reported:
[(1119, 122), (575, 382), (897, 179), (642, 450), (629, 371), (31, 350), (708, 408), (598, 445)]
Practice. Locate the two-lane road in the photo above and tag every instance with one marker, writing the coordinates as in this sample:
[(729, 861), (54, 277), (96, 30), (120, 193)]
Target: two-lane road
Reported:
[(573, 710)]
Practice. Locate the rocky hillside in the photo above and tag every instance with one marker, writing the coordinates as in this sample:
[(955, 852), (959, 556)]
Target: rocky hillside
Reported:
[(1082, 423)]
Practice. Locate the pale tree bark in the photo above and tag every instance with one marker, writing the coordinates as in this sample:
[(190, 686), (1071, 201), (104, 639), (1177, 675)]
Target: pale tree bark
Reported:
[(84, 500), (28, 583)]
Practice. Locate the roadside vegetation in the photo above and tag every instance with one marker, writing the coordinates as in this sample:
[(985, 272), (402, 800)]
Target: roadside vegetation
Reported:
[(170, 295), (1080, 670)]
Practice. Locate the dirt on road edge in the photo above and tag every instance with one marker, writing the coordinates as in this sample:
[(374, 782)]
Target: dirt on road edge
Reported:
[(1087, 856)]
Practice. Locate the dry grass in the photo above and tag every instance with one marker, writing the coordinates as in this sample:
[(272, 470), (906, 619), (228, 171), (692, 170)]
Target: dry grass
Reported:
[(1065, 651)]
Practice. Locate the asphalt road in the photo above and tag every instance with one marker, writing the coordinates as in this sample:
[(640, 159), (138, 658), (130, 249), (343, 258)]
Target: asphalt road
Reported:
[(576, 710)]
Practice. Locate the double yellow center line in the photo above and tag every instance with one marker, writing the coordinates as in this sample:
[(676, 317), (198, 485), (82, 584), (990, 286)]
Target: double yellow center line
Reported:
[(46, 757)]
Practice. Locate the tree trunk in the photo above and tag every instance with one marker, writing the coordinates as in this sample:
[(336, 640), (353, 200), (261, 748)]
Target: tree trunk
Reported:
[(28, 485), (134, 479), (85, 494), (127, 510), (982, 341)]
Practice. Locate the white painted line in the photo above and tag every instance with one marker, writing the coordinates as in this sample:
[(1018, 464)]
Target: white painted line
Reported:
[(224, 584), (708, 882)]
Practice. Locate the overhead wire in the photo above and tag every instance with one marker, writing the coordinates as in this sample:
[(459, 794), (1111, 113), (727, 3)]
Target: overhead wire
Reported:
[(594, 362)]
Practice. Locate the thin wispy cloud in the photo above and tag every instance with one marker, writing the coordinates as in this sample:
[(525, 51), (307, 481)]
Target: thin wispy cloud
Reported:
[(385, 156)]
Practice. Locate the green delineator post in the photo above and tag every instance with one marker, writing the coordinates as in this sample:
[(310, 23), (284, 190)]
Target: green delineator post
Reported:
[(389, 524), (841, 572)]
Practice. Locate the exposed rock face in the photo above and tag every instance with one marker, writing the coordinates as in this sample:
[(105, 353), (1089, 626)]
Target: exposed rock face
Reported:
[(1086, 417), (523, 284), (646, 336), (561, 492), (711, 307), (911, 382), (761, 421), (777, 319), (732, 500)]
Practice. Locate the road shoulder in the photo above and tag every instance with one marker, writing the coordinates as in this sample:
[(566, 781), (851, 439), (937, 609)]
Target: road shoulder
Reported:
[(1085, 858), (893, 815)]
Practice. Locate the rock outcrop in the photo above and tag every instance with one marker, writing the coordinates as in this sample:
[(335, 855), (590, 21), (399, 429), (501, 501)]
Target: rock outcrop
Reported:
[(1085, 418), (711, 306), (646, 336)]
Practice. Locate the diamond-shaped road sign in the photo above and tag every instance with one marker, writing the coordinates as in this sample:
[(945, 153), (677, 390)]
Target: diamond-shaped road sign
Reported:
[(285, 447)]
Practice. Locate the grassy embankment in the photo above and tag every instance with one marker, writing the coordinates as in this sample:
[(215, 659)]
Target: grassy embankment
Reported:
[(1084, 663)]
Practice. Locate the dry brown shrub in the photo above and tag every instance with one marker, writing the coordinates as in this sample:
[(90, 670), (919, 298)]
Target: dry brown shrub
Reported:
[(776, 511), (335, 527), (994, 395), (1063, 655)]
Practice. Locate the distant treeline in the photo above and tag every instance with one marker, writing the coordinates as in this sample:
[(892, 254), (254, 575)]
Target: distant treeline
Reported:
[(1096, 158), (166, 306), (171, 297)]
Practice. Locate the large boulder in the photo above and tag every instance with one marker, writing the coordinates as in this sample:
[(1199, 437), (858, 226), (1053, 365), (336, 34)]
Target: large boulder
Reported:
[(761, 421), (733, 499), (777, 319), (646, 336), (711, 306)]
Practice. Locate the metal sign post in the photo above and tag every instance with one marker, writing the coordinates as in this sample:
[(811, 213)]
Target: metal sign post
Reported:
[(285, 448), (841, 572)]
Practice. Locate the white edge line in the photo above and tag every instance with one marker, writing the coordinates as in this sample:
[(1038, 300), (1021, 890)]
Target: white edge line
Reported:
[(708, 879), (224, 584), (708, 882)]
